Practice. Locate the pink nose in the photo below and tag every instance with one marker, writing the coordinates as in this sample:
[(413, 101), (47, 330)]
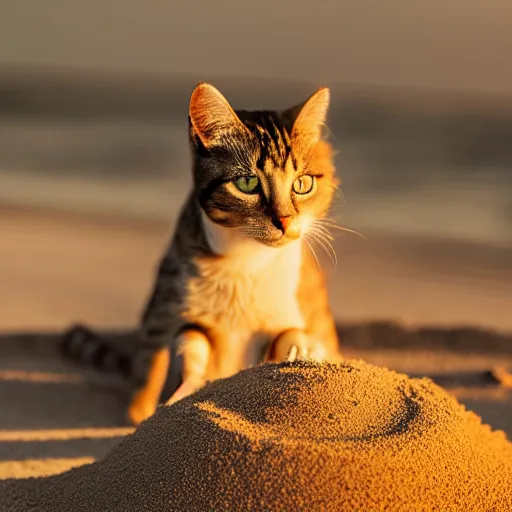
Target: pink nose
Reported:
[(285, 222)]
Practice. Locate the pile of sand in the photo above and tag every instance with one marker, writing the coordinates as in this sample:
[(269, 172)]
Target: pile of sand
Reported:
[(294, 436)]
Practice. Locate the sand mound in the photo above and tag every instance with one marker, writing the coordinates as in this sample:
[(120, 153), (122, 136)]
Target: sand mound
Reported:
[(294, 437)]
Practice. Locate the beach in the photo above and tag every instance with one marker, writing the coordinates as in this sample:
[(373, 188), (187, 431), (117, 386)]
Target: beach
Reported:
[(450, 302)]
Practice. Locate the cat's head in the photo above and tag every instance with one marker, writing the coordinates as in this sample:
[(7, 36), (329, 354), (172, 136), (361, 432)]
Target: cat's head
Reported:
[(266, 175)]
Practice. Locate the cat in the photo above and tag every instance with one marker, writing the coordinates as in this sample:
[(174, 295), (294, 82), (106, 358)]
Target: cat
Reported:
[(238, 284)]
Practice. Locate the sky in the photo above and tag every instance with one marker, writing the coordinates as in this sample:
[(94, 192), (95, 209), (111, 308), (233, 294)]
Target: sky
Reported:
[(455, 44)]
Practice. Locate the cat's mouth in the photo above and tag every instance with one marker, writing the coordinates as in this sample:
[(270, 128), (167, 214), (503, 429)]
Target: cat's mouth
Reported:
[(278, 237)]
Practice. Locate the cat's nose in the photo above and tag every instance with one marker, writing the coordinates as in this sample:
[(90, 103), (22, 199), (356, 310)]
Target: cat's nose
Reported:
[(287, 225), (285, 222)]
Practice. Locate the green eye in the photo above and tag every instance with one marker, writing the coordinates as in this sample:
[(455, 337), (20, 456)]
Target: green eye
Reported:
[(247, 184), (304, 184)]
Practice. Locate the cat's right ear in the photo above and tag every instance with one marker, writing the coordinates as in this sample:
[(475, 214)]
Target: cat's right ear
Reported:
[(212, 118)]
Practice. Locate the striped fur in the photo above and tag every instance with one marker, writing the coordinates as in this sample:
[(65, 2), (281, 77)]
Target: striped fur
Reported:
[(237, 284)]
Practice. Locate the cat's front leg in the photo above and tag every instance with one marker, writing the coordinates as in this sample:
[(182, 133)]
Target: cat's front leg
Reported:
[(146, 398), (297, 343), (194, 348)]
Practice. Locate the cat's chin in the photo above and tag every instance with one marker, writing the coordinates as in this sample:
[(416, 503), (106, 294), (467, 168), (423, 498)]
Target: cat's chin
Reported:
[(277, 242)]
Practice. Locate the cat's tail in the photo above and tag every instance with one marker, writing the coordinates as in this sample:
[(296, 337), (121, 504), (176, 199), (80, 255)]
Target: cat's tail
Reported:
[(84, 346)]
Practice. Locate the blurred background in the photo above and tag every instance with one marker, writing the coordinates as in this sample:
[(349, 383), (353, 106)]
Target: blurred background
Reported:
[(94, 161)]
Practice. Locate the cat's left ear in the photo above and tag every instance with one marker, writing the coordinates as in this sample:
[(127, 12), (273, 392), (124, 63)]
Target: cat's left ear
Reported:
[(309, 117)]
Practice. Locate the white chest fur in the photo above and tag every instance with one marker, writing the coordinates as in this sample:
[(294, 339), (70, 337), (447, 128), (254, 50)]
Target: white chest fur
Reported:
[(250, 289)]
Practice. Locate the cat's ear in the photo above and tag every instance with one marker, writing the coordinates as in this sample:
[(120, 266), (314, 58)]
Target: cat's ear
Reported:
[(309, 117), (211, 116)]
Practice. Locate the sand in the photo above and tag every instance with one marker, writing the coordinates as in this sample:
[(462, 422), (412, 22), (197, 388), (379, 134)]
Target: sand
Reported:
[(55, 415), (294, 436)]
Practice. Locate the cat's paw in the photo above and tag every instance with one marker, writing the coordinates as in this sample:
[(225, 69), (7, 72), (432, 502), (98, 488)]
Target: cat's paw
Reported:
[(188, 387), (301, 353), (292, 354), (295, 344)]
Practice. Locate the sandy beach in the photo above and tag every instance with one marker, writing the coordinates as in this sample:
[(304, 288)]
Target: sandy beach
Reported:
[(94, 167), (451, 301)]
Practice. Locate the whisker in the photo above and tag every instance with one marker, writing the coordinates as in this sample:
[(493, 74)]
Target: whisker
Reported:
[(326, 235), (326, 245), (331, 224), (312, 251), (322, 229), (348, 230)]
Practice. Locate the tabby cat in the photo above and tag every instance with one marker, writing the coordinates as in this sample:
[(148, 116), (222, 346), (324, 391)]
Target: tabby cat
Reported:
[(238, 284)]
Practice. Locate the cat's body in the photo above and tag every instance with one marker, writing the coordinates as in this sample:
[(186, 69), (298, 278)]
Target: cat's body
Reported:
[(238, 284), (241, 293)]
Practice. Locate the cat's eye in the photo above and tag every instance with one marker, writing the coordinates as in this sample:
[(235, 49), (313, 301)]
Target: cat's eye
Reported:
[(247, 184), (304, 184)]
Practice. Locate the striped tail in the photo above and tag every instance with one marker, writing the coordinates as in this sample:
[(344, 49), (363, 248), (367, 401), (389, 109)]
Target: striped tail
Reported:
[(86, 347)]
